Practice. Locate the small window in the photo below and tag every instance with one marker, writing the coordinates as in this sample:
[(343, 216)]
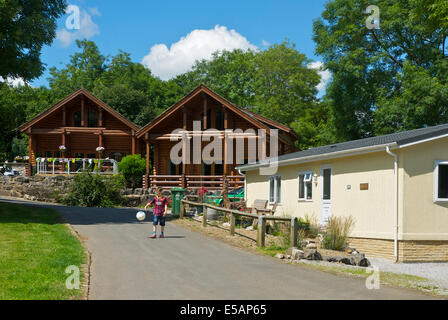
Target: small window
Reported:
[(77, 119), (275, 189), (305, 186), (93, 118), (441, 181)]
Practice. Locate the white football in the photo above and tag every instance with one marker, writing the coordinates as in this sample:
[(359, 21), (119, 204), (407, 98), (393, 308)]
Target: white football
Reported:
[(141, 216)]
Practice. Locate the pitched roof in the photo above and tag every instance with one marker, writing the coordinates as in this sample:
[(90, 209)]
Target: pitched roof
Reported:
[(255, 119), (399, 139), (70, 97)]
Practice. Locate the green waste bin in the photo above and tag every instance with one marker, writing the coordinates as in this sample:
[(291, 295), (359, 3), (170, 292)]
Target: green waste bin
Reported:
[(177, 195)]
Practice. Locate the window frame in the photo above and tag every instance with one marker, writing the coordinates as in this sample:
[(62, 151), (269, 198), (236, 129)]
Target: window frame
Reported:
[(437, 163), (305, 188), (277, 196)]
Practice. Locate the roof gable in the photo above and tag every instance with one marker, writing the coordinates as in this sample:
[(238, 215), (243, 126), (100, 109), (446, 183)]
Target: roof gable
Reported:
[(71, 97), (248, 116)]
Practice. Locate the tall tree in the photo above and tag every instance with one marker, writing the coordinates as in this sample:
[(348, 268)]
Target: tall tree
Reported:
[(26, 26), (276, 83), (387, 79)]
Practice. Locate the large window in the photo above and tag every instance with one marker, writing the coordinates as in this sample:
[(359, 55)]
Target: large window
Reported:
[(92, 118), (275, 189), (77, 119), (441, 181), (305, 186)]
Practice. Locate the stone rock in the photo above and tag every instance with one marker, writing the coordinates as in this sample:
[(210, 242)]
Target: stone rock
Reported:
[(280, 256), (22, 179), (349, 250), (345, 260), (311, 245), (311, 254), (226, 224), (250, 228), (330, 258), (359, 259), (297, 254), (288, 257)]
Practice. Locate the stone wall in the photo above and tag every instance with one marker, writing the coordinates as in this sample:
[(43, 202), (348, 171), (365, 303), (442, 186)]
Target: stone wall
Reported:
[(36, 188), (50, 188), (408, 251)]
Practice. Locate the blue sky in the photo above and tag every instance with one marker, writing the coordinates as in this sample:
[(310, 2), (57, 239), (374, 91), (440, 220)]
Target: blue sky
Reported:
[(148, 29)]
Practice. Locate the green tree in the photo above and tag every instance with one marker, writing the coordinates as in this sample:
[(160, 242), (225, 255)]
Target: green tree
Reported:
[(26, 26), (387, 79), (83, 69)]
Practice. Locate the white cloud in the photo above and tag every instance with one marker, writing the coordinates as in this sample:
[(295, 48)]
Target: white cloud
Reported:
[(325, 75), (87, 28), (15, 82), (198, 44)]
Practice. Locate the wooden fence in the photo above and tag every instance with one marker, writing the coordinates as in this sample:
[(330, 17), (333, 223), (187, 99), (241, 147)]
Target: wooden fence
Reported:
[(261, 228)]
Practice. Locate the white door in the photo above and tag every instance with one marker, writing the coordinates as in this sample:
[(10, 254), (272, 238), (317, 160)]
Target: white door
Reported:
[(325, 194)]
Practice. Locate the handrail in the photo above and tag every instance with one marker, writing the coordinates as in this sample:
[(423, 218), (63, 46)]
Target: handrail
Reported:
[(261, 229)]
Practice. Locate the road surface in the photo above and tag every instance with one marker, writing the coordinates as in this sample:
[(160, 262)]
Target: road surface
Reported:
[(127, 264)]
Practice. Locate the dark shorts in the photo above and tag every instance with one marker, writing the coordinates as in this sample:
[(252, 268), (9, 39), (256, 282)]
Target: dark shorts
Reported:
[(159, 219)]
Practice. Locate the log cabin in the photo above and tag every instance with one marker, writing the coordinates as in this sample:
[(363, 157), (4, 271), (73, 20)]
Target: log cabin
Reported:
[(208, 110), (81, 123)]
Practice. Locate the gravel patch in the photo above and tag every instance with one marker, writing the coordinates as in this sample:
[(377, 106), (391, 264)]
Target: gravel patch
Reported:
[(436, 272)]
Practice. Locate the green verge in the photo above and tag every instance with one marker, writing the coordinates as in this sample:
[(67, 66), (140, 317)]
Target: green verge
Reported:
[(35, 250)]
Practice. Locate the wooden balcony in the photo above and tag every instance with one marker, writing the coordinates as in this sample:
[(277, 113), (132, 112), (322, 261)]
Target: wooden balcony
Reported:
[(192, 182)]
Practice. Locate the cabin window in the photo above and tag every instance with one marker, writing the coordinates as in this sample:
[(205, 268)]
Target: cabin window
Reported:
[(209, 119), (219, 169), (305, 186), (275, 189), (206, 169), (441, 181), (92, 118), (219, 119), (77, 119)]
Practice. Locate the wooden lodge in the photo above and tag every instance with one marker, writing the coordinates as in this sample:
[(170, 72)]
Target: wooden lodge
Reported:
[(82, 123), (210, 110)]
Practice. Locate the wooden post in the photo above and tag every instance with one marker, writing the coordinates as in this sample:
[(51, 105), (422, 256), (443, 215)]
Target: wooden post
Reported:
[(232, 224), (64, 116), (100, 121), (204, 216), (261, 231), (205, 113), (147, 157), (182, 210), (83, 113), (133, 141), (294, 231)]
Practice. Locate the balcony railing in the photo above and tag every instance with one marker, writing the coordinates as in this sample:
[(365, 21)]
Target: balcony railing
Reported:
[(214, 182), (75, 165)]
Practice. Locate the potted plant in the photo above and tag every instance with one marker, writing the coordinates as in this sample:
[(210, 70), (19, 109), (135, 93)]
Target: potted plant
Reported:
[(62, 149), (100, 150)]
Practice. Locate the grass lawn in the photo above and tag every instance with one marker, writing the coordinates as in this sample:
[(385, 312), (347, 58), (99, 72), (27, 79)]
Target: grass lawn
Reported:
[(35, 250)]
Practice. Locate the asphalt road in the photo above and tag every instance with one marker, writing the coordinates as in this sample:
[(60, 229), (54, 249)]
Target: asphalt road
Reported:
[(127, 264)]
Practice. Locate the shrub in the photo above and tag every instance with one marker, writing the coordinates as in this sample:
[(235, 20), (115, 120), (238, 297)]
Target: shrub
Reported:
[(313, 225), (133, 167), (93, 190), (338, 230)]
